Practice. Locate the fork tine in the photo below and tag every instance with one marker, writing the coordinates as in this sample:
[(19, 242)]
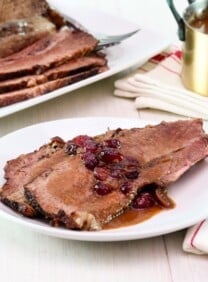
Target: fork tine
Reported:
[(112, 40), (103, 46), (116, 38)]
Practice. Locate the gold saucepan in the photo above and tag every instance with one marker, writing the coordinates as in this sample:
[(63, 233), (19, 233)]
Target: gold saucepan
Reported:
[(193, 30)]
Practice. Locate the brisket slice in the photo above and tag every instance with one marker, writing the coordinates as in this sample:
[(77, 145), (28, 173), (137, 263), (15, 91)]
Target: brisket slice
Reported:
[(48, 52), (66, 194), (23, 169), (72, 67), (152, 142), (18, 34), (20, 9), (44, 88), (23, 22)]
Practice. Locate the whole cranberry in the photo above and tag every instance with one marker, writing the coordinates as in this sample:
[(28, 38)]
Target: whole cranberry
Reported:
[(116, 173), (110, 155), (90, 160), (126, 187), (102, 189), (143, 201), (101, 173), (91, 145), (112, 143), (80, 140)]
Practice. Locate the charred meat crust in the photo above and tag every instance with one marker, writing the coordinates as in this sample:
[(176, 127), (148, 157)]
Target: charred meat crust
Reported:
[(33, 203), (61, 219), (24, 209)]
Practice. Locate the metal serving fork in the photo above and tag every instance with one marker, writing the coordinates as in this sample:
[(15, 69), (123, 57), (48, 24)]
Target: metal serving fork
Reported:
[(111, 40), (104, 39)]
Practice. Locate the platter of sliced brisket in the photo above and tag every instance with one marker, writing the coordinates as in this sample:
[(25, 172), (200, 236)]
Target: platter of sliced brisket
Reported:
[(42, 56), (40, 52), (77, 176)]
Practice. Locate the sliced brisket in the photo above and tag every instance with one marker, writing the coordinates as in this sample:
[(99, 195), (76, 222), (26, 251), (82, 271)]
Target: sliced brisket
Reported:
[(85, 190), (153, 142), (20, 9), (72, 67), (18, 34), (48, 52), (66, 192), (46, 87), (40, 50), (81, 198)]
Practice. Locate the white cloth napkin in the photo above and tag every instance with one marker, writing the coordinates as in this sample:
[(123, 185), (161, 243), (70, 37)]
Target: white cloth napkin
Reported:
[(196, 239), (158, 85)]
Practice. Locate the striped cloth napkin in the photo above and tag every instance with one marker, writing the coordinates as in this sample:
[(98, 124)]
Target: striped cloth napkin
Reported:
[(196, 239), (157, 85)]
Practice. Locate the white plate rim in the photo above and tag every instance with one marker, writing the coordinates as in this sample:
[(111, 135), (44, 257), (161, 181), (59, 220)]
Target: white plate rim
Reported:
[(121, 234)]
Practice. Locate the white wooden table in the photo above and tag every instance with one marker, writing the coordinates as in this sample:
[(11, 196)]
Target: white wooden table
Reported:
[(29, 256)]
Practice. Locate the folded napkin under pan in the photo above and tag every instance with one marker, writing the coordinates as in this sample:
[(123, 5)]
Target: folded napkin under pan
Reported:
[(158, 85)]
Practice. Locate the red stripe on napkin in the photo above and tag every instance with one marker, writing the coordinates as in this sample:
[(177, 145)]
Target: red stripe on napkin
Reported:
[(196, 232), (178, 54), (170, 70), (160, 57)]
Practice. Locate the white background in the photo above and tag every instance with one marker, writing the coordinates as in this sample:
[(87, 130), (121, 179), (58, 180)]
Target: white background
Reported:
[(153, 14)]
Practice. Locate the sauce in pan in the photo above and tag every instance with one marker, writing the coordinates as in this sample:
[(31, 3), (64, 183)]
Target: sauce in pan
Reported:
[(200, 22)]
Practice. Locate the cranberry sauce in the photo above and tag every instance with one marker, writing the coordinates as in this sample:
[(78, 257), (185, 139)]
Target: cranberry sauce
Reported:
[(107, 163), (112, 170)]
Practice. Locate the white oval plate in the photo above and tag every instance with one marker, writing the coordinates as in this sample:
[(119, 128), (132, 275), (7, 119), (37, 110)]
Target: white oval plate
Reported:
[(189, 193), (130, 53)]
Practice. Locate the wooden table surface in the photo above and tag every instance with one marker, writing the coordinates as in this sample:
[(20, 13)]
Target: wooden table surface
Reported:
[(29, 256)]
